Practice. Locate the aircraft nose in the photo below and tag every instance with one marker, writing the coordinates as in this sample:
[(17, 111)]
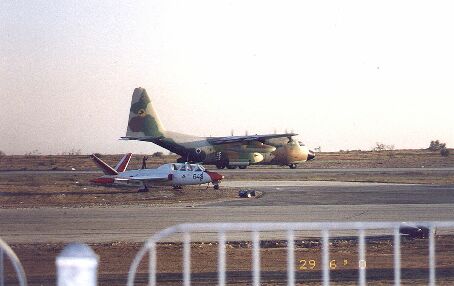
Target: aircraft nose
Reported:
[(310, 155), (215, 177)]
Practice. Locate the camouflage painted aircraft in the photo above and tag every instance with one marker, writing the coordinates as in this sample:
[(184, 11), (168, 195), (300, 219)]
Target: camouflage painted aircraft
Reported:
[(229, 151)]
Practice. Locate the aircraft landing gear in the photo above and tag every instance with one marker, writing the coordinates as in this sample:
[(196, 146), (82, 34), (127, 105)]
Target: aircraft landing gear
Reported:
[(216, 186), (220, 165), (293, 166), (144, 189), (177, 187), (243, 167)]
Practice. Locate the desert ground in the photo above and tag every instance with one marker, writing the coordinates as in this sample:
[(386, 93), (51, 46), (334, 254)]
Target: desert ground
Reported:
[(30, 182)]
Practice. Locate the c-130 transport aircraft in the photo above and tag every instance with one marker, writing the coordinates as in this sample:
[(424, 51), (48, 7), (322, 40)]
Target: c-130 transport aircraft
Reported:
[(229, 151)]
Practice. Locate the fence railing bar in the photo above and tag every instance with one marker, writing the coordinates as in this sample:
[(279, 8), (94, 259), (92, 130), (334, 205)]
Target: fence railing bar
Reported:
[(326, 228), (187, 259), (135, 263), (290, 258), (2, 268), (432, 261), (256, 258), (303, 226), (325, 260), (22, 279), (152, 265), (396, 256), (221, 259), (362, 258)]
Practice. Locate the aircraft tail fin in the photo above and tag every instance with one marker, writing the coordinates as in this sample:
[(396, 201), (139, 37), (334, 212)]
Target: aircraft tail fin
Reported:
[(123, 164), (143, 120), (108, 170)]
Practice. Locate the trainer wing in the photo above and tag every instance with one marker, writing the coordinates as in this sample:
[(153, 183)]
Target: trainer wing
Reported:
[(246, 138), (151, 179)]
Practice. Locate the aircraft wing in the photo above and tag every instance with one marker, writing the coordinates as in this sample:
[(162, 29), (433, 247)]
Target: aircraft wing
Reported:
[(143, 138), (246, 138), (150, 179)]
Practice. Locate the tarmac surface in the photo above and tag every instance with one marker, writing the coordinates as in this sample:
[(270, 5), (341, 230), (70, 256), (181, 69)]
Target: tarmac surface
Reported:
[(291, 201)]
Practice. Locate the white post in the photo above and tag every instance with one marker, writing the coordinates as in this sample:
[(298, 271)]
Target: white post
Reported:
[(77, 265)]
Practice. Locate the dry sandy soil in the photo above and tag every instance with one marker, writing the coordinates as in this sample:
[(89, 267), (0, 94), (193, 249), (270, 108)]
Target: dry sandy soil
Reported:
[(75, 190), (348, 159)]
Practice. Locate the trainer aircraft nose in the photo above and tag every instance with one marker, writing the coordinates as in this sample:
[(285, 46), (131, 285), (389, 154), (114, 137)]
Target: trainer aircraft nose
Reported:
[(310, 155), (215, 177)]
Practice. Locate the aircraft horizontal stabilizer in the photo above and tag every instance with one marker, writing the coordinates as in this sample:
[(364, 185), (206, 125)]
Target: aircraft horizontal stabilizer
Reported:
[(144, 138)]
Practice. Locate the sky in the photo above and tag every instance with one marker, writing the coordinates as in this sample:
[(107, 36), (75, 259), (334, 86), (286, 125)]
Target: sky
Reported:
[(341, 74)]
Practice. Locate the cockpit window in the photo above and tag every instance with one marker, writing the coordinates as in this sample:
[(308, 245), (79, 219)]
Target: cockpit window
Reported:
[(186, 167), (199, 168)]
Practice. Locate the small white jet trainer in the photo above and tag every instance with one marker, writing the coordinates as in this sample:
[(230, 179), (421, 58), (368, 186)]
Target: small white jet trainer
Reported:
[(173, 174)]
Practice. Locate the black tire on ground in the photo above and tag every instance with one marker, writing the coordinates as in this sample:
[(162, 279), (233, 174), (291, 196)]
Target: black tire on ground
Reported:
[(216, 187), (293, 166), (243, 167)]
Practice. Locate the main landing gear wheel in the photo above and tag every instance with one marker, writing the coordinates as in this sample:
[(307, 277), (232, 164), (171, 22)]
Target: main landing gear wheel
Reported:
[(216, 186), (177, 187), (293, 166), (220, 165), (143, 190), (243, 167)]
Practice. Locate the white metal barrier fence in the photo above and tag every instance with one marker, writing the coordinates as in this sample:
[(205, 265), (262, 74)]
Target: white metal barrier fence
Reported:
[(20, 274), (255, 229)]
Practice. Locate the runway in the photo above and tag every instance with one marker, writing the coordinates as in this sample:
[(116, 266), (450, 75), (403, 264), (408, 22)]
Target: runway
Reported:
[(280, 201)]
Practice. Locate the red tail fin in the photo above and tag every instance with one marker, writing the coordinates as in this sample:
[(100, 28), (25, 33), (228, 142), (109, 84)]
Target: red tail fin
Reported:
[(123, 164), (108, 170)]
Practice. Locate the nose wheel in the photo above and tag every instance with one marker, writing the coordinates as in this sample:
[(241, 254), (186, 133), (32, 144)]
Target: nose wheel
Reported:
[(293, 166), (216, 186)]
